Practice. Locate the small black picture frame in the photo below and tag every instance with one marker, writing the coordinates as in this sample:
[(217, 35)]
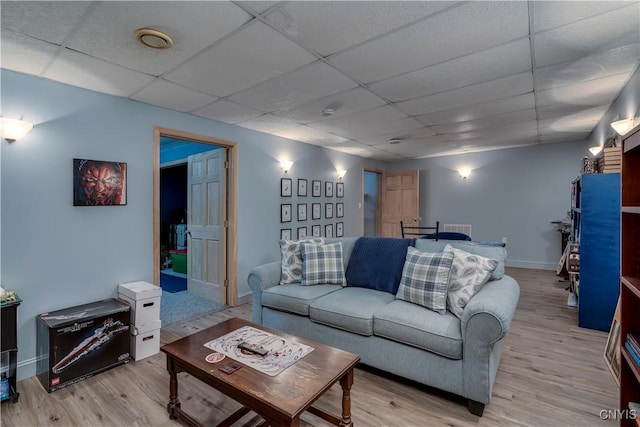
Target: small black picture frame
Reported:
[(285, 212), (328, 189), (339, 229), (302, 187), (285, 234), (316, 188), (316, 230), (328, 230), (328, 210), (285, 187), (339, 210), (340, 189), (302, 233), (302, 211), (316, 211)]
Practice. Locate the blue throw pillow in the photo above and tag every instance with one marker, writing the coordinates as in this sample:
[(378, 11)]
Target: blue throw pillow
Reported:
[(377, 262)]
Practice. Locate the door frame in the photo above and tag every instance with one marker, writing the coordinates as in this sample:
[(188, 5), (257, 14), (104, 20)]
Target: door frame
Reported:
[(379, 200), (231, 168)]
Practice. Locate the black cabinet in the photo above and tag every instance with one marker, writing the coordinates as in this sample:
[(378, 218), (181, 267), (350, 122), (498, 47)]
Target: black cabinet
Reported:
[(9, 349)]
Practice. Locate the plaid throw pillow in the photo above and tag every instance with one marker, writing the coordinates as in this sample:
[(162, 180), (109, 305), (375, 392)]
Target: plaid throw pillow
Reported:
[(291, 259), (322, 264), (424, 279)]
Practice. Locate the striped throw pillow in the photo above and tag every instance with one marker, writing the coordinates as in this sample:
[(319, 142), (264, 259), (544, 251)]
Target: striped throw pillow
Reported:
[(322, 264)]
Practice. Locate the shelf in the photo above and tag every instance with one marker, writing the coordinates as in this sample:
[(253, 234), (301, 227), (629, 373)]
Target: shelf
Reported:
[(631, 209), (632, 364), (633, 283)]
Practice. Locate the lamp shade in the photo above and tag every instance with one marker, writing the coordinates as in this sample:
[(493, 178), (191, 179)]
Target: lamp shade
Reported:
[(623, 126), (595, 150), (12, 129)]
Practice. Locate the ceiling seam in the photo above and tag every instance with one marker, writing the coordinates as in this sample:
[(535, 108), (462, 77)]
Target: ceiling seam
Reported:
[(532, 52)]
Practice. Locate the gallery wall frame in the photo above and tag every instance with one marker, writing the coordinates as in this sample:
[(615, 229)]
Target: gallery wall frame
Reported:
[(339, 210), (285, 234), (328, 230), (285, 187), (316, 188), (302, 187), (328, 210), (302, 233), (285, 212), (302, 211), (99, 183), (339, 229), (316, 230), (328, 189), (340, 189)]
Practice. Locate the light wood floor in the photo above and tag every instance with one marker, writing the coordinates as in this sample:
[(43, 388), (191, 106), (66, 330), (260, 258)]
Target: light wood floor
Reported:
[(552, 373)]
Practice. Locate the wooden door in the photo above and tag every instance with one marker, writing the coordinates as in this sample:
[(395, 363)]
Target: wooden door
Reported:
[(400, 201), (206, 217)]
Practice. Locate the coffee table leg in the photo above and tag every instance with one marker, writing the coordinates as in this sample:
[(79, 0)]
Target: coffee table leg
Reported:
[(173, 390), (346, 382)]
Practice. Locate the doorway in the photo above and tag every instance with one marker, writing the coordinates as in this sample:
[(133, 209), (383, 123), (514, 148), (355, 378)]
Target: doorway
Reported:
[(372, 203), (215, 260)]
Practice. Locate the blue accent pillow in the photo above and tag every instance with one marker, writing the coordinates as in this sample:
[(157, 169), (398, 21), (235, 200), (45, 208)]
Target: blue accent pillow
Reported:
[(377, 263)]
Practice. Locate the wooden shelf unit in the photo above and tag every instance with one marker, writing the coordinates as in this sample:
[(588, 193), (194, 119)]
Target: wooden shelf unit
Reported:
[(630, 271)]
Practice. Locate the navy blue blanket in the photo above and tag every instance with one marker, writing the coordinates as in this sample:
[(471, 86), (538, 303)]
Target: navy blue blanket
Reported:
[(377, 263)]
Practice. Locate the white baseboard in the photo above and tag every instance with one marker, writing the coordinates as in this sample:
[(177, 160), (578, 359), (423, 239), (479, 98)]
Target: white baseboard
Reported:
[(245, 298), (530, 264), (26, 369)]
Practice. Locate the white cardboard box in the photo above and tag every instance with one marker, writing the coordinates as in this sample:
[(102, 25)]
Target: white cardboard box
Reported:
[(145, 340), (144, 299)]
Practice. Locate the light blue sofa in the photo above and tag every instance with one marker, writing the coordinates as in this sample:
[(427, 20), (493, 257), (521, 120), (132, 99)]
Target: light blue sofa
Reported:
[(457, 355)]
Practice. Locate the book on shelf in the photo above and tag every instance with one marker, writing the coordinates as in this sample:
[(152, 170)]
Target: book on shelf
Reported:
[(632, 352), (634, 340)]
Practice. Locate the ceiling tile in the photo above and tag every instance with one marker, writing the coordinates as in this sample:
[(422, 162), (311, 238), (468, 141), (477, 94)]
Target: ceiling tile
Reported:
[(24, 54), (564, 137), (421, 134), (472, 112), (267, 123), (80, 70), (469, 95), (498, 133), (589, 93), (109, 32), (486, 122), (583, 121), (169, 95), (476, 26), (500, 61), (227, 111), (342, 103), (221, 71), (258, 6), (351, 147), (327, 27), (286, 91), (44, 20), (310, 135), (603, 64), (552, 14), (586, 37)]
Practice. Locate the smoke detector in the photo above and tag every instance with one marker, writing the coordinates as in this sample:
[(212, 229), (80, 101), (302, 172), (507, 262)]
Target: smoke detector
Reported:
[(328, 112), (153, 38)]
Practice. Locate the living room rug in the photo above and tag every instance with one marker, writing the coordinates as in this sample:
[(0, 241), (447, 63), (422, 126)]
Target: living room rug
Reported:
[(178, 306)]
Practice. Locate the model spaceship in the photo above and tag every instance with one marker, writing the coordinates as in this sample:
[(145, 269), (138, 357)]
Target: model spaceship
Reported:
[(100, 336)]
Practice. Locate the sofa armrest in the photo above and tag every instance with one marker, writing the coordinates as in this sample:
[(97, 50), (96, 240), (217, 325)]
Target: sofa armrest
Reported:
[(260, 278)]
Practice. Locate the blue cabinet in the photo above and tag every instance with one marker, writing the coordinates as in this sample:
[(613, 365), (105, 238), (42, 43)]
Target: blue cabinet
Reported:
[(599, 250)]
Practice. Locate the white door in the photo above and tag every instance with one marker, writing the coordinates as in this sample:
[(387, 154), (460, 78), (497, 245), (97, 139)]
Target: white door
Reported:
[(206, 216), (400, 201)]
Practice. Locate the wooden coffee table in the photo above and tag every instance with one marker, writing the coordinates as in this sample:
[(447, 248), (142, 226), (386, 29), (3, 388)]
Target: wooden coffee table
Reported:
[(279, 400)]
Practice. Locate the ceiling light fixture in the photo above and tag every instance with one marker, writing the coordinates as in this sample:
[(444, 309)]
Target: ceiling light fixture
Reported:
[(623, 126), (153, 38), (12, 129), (328, 112)]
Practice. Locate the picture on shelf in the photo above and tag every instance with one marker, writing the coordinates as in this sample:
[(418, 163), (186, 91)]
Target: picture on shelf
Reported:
[(612, 349), (316, 231), (285, 213), (328, 189), (316, 188), (302, 211), (285, 234), (302, 187), (316, 210), (285, 187)]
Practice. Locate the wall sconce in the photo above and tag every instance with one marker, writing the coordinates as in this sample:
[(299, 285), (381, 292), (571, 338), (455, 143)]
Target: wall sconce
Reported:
[(464, 172), (623, 126), (341, 173), (595, 150), (286, 165), (12, 129)]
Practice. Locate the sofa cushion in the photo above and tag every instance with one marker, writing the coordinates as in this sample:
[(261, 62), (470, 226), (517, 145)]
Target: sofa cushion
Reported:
[(350, 309), (377, 262), (322, 264), (414, 325), (425, 277), (491, 251), (291, 259), (295, 298), (468, 273)]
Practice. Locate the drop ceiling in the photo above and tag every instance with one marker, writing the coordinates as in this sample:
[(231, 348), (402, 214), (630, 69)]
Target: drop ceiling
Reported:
[(443, 77)]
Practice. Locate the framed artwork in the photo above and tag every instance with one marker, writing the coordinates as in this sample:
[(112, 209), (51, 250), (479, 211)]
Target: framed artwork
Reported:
[(285, 234), (302, 187), (339, 189), (339, 229), (316, 188), (302, 233), (612, 349), (328, 189), (285, 187), (328, 230), (315, 231), (316, 210), (302, 211), (339, 210), (328, 210), (285, 213), (99, 183)]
